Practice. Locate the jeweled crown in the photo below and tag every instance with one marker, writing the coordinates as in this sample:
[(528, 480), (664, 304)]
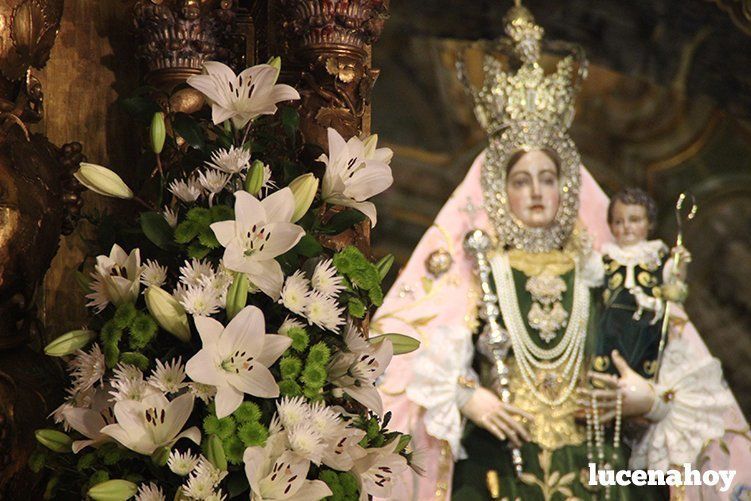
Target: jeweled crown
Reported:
[(527, 94)]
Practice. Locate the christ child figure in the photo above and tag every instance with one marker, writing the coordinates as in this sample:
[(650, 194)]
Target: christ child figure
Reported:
[(639, 278)]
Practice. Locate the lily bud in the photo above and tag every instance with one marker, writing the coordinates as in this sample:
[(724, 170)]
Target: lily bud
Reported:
[(158, 132), (254, 180), (400, 343), (276, 62), (215, 452), (168, 312), (54, 440), (69, 343), (113, 490), (304, 189), (103, 181), (237, 295), (160, 456)]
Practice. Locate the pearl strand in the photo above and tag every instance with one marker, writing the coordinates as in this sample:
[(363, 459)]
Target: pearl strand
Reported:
[(526, 351)]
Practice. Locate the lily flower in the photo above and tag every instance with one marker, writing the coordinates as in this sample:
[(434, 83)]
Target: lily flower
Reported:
[(152, 423), (243, 97), (377, 470), (116, 278), (235, 359), (89, 422), (260, 233), (355, 173), (275, 473), (356, 370)]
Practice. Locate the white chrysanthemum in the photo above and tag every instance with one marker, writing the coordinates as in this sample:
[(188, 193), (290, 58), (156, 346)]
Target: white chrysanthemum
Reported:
[(218, 284), (267, 184), (87, 369), (128, 384), (204, 468), (213, 181), (170, 216), (216, 496), (74, 399), (306, 442), (186, 190), (324, 421), (323, 312), (153, 274), (194, 270), (205, 392), (199, 301), (150, 492), (295, 293), (98, 297), (169, 377), (182, 463), (325, 279), (198, 487), (289, 323), (232, 161), (292, 411)]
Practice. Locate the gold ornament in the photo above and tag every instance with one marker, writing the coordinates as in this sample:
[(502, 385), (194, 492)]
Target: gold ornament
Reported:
[(438, 262)]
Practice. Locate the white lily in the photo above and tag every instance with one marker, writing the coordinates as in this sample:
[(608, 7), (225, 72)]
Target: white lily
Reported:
[(377, 470), (152, 423), (235, 359), (356, 371), (243, 97), (103, 181), (275, 473), (355, 173), (260, 233), (89, 422), (116, 278)]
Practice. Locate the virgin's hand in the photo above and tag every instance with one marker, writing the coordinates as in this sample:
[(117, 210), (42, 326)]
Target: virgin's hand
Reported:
[(486, 410), (638, 394)]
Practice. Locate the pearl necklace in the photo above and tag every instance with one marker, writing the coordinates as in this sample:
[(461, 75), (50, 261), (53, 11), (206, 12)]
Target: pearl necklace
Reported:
[(568, 353)]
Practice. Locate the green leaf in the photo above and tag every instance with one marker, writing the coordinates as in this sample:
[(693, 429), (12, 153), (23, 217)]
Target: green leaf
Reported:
[(189, 129), (342, 221), (384, 265), (200, 215), (197, 251), (290, 120), (187, 231), (141, 108), (308, 246), (221, 213), (402, 344), (156, 229), (208, 239), (356, 307)]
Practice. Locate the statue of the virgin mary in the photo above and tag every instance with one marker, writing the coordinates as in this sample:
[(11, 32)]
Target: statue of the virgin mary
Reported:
[(498, 398)]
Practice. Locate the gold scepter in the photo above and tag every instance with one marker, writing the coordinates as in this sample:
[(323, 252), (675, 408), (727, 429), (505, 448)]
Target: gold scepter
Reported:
[(679, 216), (498, 343)]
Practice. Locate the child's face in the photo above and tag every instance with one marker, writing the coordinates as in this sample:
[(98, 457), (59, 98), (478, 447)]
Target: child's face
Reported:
[(629, 223)]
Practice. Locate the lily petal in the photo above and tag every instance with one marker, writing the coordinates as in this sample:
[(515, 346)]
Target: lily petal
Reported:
[(273, 347)]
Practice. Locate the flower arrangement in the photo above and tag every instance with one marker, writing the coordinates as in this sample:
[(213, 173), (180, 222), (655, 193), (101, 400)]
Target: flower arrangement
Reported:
[(226, 357)]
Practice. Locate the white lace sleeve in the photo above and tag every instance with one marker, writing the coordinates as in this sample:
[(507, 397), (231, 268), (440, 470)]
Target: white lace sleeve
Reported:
[(435, 384), (692, 402), (592, 270)]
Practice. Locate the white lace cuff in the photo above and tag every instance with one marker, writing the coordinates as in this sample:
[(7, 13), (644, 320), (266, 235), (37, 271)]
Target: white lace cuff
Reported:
[(436, 384), (690, 407), (592, 271)]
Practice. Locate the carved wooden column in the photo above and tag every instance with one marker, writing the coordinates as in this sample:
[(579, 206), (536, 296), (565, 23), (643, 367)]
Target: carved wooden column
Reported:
[(39, 199), (325, 46), (175, 37)]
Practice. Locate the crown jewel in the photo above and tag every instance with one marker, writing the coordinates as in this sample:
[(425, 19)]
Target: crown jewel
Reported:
[(528, 94)]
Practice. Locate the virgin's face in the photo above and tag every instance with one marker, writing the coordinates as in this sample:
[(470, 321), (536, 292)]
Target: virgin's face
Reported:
[(532, 188)]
